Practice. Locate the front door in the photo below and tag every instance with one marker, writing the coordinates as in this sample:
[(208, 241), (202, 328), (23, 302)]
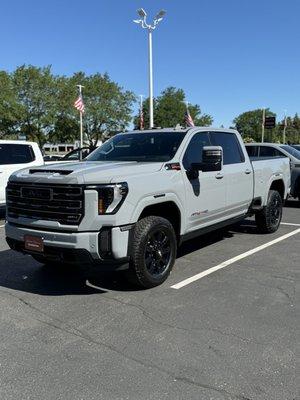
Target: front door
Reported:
[(206, 194)]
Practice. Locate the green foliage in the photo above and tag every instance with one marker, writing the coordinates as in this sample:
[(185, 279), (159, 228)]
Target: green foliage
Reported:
[(40, 105), (249, 124), (169, 110)]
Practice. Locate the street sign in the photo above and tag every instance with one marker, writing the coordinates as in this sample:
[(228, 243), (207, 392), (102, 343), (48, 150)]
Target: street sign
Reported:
[(270, 122)]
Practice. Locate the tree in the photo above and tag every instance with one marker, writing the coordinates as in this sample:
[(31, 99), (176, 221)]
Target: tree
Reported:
[(10, 110), (107, 106), (36, 96), (249, 124), (169, 110)]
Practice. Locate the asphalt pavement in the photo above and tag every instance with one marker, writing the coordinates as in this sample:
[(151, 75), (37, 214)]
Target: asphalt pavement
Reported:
[(231, 333)]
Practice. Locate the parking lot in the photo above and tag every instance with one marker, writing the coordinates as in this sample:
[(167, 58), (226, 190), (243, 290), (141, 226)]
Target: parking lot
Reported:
[(223, 326)]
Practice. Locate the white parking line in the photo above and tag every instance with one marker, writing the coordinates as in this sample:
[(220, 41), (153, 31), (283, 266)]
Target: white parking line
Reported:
[(232, 260), (2, 226), (95, 287), (289, 224)]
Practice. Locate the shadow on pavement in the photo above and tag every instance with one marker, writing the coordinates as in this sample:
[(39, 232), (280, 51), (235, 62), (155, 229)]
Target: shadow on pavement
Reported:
[(21, 272), (292, 204)]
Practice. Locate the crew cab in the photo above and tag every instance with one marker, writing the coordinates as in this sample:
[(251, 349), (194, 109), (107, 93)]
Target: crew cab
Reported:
[(135, 199), (258, 151), (15, 155)]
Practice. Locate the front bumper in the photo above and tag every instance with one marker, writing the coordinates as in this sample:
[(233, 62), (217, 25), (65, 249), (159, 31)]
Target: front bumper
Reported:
[(107, 246)]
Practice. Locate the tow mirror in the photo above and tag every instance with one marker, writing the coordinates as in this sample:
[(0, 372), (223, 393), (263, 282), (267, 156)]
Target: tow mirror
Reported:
[(212, 159)]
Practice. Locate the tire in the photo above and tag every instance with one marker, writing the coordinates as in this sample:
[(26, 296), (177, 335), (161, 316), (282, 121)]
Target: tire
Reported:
[(154, 248), (268, 219)]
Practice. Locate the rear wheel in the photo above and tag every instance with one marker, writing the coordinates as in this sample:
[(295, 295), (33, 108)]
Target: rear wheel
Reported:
[(153, 252), (268, 219)]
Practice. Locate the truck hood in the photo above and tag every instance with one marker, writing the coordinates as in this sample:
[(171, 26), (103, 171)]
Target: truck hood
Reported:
[(86, 172)]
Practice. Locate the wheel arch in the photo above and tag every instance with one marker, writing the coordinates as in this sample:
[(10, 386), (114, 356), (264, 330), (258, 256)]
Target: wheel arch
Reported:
[(168, 210), (279, 186)]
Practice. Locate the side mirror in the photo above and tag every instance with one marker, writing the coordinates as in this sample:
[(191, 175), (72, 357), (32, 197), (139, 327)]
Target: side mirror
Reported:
[(212, 159)]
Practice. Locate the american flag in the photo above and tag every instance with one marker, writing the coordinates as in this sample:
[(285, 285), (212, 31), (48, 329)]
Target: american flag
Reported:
[(141, 118), (188, 119), (79, 105)]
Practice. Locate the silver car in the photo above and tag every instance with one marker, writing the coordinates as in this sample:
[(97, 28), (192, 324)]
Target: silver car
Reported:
[(272, 150)]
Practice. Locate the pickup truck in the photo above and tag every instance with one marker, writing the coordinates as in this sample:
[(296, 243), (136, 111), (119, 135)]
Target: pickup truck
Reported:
[(15, 155), (136, 198), (258, 151)]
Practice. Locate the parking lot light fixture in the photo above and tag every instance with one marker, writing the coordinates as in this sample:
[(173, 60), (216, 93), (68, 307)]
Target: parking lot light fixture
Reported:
[(150, 27)]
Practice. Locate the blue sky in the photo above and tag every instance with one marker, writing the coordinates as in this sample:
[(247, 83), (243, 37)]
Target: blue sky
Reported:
[(229, 56)]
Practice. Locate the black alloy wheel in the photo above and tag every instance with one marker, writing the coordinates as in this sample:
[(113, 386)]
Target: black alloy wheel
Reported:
[(158, 253)]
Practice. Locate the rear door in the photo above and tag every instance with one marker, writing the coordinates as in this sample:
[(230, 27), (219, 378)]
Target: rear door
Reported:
[(238, 172), (205, 195), (12, 158)]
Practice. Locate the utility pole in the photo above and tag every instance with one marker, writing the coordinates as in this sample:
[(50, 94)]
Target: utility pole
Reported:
[(143, 22)]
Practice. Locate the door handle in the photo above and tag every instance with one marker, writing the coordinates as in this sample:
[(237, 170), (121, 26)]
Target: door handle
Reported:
[(248, 171), (219, 176)]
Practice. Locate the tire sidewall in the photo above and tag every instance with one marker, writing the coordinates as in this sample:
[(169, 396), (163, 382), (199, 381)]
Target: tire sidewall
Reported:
[(273, 195), (144, 276)]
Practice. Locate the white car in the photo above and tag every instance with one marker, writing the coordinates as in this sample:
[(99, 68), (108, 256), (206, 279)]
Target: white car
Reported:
[(15, 155)]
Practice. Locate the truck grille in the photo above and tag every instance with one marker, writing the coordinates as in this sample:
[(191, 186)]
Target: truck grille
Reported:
[(62, 203)]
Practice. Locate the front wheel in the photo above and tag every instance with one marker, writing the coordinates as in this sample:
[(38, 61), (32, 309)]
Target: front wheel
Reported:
[(153, 255), (268, 219)]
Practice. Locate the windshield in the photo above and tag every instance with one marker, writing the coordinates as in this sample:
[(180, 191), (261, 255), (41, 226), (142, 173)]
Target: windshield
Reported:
[(292, 151), (148, 146)]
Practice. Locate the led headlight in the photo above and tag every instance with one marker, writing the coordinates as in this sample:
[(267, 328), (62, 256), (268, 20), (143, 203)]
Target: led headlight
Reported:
[(110, 197)]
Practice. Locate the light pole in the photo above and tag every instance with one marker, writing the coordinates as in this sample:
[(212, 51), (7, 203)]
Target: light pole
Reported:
[(143, 22)]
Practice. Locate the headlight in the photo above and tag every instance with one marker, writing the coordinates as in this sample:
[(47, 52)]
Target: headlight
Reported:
[(110, 197)]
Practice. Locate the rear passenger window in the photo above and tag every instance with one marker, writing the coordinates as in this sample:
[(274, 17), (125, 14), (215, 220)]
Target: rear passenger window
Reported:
[(232, 152), (252, 151), (266, 151), (16, 154), (193, 152)]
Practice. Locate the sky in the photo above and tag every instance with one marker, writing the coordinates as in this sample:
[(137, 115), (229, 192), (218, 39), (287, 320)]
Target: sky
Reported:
[(228, 56)]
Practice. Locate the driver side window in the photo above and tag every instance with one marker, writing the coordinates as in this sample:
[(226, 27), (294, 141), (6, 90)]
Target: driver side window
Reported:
[(193, 153)]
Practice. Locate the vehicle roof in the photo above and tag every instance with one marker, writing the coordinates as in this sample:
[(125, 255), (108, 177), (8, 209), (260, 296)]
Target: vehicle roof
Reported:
[(182, 129), (3, 141), (265, 144)]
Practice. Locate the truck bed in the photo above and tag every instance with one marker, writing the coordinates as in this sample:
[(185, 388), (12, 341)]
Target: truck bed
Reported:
[(264, 169)]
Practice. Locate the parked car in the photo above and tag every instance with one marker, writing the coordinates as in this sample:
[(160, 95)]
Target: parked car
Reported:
[(296, 146), (136, 198), (273, 150), (55, 157), (15, 155), (74, 155)]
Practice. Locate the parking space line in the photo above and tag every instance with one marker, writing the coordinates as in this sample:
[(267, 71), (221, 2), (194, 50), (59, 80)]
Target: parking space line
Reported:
[(2, 226), (289, 224), (233, 260)]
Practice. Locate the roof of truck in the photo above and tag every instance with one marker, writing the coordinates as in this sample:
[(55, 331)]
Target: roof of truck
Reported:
[(181, 129), (3, 141)]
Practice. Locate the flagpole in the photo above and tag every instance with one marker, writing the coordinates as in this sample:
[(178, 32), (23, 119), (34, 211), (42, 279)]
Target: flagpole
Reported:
[(263, 126), (284, 128), (81, 124), (141, 112)]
